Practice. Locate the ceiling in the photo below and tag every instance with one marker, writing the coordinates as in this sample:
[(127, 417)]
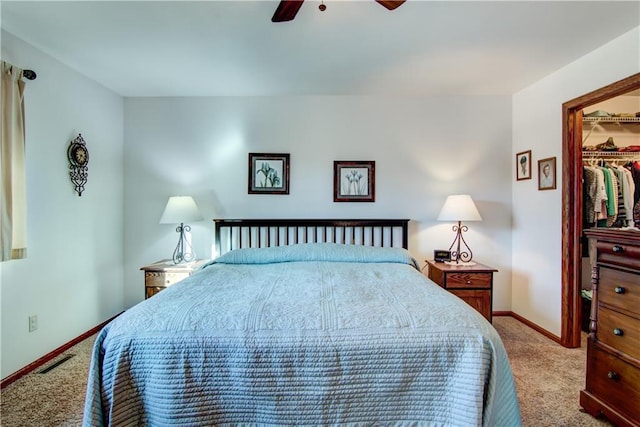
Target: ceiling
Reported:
[(231, 48)]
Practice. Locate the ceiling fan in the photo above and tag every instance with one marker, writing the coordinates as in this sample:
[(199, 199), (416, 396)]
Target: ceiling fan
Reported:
[(287, 9)]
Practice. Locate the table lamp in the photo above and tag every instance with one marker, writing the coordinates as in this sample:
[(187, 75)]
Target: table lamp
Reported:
[(460, 207), (180, 209)]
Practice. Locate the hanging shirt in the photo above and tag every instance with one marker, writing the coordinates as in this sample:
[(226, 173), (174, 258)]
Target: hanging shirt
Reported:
[(589, 195), (600, 195)]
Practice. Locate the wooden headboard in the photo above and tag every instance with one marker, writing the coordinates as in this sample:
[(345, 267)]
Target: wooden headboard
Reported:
[(257, 233)]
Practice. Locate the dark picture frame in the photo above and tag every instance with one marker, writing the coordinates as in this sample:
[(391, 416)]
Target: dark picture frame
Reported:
[(269, 173), (547, 174), (523, 165), (354, 181)]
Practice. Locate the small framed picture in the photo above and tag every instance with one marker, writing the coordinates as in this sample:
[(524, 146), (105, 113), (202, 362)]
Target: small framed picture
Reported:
[(268, 173), (354, 181), (523, 165), (547, 174)]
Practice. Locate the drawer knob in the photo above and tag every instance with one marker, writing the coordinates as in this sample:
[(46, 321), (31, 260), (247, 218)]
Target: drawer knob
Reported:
[(620, 290), (618, 332), (468, 282), (613, 376), (617, 248)]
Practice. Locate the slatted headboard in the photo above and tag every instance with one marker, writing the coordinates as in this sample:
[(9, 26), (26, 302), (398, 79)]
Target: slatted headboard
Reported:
[(254, 233)]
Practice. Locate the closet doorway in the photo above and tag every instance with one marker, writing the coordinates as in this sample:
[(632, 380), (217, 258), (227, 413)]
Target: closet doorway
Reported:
[(572, 203)]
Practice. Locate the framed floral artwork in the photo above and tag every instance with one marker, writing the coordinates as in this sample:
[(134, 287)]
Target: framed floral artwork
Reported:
[(268, 173), (354, 181)]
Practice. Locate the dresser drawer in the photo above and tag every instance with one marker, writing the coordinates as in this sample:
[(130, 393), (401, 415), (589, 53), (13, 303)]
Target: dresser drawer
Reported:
[(619, 289), (613, 381), (469, 280), (618, 254), (152, 290), (619, 331), (163, 279)]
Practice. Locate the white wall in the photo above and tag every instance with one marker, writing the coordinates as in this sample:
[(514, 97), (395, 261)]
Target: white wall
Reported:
[(424, 148), (537, 215), (72, 277)]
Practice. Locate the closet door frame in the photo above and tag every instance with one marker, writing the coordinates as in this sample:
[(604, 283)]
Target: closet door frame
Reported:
[(570, 333)]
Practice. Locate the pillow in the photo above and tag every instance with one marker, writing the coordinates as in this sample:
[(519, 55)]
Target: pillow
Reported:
[(328, 252)]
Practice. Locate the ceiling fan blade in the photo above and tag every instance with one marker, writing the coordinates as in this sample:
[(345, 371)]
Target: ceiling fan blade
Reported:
[(390, 4), (287, 10)]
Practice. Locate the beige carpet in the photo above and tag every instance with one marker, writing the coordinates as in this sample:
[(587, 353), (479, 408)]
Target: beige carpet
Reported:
[(548, 379), (52, 399), (548, 376)]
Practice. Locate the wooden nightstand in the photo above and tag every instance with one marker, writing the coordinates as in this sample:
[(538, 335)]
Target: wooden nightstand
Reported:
[(472, 283), (162, 274)]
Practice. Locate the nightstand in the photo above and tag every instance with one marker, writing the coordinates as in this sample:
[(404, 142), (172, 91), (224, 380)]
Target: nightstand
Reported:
[(471, 283), (162, 274)]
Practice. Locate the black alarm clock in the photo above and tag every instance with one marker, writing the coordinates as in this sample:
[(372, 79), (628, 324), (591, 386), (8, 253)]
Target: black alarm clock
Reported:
[(441, 256)]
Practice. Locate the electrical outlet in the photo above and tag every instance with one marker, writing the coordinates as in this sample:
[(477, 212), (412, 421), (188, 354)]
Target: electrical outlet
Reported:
[(33, 323)]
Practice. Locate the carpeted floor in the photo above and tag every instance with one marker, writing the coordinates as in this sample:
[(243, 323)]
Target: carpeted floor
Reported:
[(548, 378), (55, 398)]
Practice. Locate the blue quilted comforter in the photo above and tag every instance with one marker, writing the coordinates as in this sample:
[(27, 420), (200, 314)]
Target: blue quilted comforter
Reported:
[(313, 334)]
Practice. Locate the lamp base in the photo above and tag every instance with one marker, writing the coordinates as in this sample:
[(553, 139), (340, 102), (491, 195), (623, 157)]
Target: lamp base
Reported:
[(458, 256), (183, 253)]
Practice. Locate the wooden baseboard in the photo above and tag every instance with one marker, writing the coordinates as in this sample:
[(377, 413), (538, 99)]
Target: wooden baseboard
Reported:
[(530, 324), (501, 313), (52, 355)]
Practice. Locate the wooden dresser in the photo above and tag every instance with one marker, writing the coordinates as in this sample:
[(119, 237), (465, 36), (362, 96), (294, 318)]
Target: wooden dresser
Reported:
[(613, 349), (471, 283)]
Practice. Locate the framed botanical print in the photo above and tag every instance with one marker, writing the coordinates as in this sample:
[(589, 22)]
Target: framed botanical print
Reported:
[(354, 181), (268, 173), (547, 174), (523, 165)]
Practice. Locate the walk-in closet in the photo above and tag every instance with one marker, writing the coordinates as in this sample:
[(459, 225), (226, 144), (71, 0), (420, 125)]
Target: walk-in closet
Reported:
[(601, 129), (611, 174), (611, 257)]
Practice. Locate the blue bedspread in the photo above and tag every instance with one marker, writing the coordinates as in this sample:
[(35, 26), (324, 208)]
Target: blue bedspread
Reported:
[(314, 334)]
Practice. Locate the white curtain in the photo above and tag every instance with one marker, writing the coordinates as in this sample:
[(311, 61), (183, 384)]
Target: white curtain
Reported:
[(13, 201)]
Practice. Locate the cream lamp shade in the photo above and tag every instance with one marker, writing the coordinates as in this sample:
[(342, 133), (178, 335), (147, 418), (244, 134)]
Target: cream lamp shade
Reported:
[(460, 207), (180, 209)]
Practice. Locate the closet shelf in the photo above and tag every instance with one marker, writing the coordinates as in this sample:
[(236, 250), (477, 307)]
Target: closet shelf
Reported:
[(596, 120), (631, 155)]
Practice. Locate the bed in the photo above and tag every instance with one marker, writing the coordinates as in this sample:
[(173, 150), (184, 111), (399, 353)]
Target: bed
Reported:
[(302, 322)]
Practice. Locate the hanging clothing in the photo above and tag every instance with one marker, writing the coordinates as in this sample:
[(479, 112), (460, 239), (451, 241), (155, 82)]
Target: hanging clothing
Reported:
[(596, 195), (609, 195), (589, 196), (635, 171), (625, 196), (609, 208)]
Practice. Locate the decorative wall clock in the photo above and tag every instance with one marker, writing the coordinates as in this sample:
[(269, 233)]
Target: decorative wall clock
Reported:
[(78, 156)]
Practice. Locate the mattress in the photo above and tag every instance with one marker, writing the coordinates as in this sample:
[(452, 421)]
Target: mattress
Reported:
[(310, 334)]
